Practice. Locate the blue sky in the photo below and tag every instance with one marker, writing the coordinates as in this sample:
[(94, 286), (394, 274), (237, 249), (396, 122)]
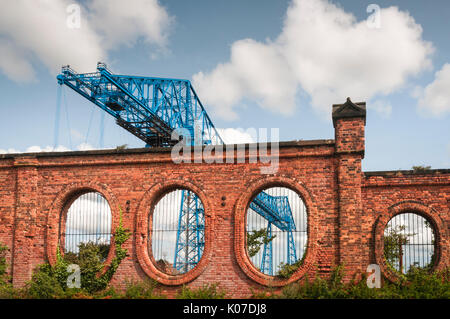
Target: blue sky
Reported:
[(255, 64)]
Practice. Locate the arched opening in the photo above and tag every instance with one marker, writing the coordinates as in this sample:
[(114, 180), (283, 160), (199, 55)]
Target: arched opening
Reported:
[(276, 231), (87, 227), (409, 242), (177, 232)]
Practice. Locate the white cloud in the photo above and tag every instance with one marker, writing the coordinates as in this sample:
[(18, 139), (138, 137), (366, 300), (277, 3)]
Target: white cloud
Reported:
[(13, 63), (236, 135), (382, 107), (38, 149), (123, 23), (48, 148), (9, 151), (434, 99), (325, 51), (257, 71), (85, 147), (36, 32)]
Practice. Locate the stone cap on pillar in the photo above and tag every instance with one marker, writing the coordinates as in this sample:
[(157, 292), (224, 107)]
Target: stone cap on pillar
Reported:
[(349, 109)]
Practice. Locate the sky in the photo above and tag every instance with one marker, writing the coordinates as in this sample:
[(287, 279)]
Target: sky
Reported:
[(254, 63)]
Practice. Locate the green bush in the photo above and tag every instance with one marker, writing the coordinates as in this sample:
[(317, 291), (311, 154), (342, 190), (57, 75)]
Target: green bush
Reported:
[(44, 284), (257, 238), (417, 284), (286, 270), (207, 291), (3, 266), (421, 284), (6, 289), (142, 290), (51, 282)]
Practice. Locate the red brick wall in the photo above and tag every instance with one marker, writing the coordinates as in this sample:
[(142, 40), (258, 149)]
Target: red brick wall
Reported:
[(387, 194), (345, 206)]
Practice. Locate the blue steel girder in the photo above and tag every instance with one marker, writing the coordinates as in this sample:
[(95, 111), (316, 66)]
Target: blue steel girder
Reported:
[(190, 240), (267, 258), (148, 107), (277, 211)]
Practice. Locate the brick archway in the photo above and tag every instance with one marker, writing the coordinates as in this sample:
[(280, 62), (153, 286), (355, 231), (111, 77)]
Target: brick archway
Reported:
[(408, 207), (240, 220), (144, 226), (59, 209)]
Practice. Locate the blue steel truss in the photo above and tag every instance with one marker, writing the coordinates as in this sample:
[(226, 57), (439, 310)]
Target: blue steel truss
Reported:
[(151, 109), (277, 211), (190, 233)]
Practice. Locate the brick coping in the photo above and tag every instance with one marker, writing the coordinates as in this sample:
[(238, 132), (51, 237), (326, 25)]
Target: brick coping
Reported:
[(285, 144), (396, 173)]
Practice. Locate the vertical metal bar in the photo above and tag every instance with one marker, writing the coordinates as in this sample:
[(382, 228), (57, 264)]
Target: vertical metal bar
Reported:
[(178, 231), (57, 117), (102, 128)]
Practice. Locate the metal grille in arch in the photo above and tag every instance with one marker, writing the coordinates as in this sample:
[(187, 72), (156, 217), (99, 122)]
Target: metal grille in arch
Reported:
[(276, 226), (88, 221), (409, 241)]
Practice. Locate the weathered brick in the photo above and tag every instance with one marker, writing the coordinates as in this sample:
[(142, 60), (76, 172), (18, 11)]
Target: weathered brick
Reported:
[(347, 208)]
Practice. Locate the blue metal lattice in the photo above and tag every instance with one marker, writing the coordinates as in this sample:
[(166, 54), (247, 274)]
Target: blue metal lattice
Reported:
[(150, 108), (277, 211), (190, 233)]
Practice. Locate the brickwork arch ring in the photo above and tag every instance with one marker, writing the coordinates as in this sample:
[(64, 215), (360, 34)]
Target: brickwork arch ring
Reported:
[(240, 212), (60, 207), (440, 232), (144, 232)]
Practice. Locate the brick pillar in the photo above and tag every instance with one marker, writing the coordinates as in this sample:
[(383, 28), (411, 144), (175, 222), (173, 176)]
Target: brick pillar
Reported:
[(349, 120), (25, 218)]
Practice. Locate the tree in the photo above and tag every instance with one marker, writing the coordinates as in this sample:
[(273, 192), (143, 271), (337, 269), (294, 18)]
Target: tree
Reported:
[(421, 168), (257, 238), (394, 239)]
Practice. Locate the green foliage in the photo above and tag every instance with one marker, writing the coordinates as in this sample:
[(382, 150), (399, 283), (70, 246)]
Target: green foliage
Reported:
[(6, 289), (418, 283), (421, 168), (3, 266), (255, 239), (266, 293), (86, 250), (8, 292), (51, 282), (319, 288), (393, 241), (287, 270), (142, 290), (120, 236), (207, 291), (45, 284), (122, 147)]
